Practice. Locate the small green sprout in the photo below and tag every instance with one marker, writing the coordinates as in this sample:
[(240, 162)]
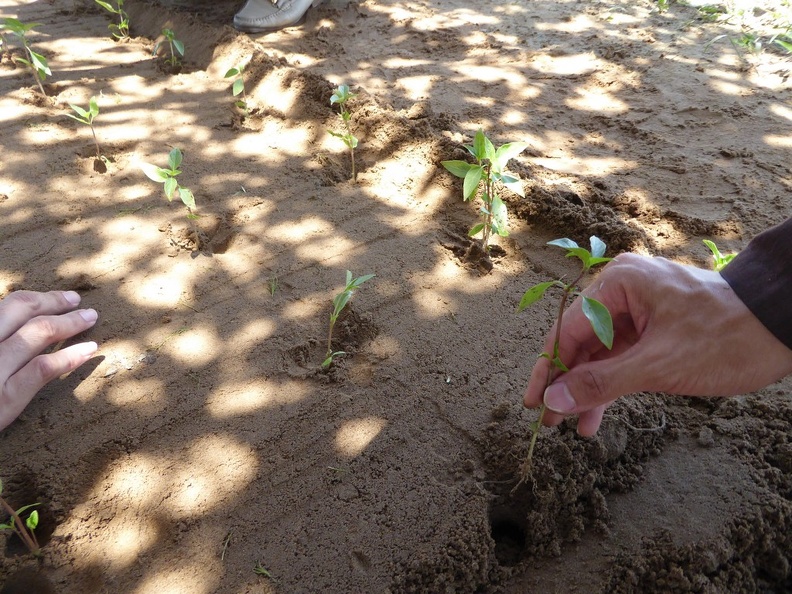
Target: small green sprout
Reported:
[(24, 530), (167, 177), (259, 569), (339, 303), (597, 314), (175, 46), (36, 62), (87, 117), (120, 30), (272, 285), (238, 86), (719, 260), (341, 95), (488, 170)]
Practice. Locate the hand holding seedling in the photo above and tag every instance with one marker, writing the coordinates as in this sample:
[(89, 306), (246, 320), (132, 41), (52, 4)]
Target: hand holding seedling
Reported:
[(29, 323), (677, 329)]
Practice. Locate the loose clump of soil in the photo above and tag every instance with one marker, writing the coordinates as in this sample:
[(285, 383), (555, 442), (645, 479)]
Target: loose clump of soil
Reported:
[(204, 440)]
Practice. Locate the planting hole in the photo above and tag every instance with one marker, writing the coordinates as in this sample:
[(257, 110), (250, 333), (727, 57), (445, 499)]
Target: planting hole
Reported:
[(508, 532)]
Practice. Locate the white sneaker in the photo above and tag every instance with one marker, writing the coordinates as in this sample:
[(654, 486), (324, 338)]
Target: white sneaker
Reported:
[(258, 16)]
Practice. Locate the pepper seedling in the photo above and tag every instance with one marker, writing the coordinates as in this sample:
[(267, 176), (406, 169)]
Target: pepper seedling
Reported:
[(341, 95), (35, 61), (120, 30), (719, 261), (597, 314), (167, 177), (175, 46), (24, 530), (484, 178), (87, 117), (339, 303), (238, 86)]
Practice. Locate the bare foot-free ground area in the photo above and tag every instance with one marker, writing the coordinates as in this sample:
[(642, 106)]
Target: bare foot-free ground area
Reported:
[(204, 440)]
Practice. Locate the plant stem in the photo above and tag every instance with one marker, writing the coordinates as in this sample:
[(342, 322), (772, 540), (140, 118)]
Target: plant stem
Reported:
[(488, 204), (330, 336), (526, 466), (96, 142), (27, 537), (351, 148)]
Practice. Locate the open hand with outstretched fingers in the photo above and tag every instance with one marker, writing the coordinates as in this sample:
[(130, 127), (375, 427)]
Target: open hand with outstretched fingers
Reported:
[(30, 322), (677, 329)]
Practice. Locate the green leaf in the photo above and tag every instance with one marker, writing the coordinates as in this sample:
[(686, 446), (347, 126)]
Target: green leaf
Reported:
[(784, 44), (534, 294), (581, 254), (514, 184), (186, 197), (154, 173), (480, 146), (476, 229), (230, 73), (500, 217), (32, 520), (472, 179), (39, 63), (170, 188), (360, 280), (239, 86), (507, 152), (93, 107), (563, 243), (559, 364), (457, 168), (80, 111), (600, 319), (179, 46), (597, 246), (594, 261), (174, 159), (340, 301), (489, 149)]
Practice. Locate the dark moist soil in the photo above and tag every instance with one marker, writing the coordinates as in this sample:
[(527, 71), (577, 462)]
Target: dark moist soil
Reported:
[(205, 439)]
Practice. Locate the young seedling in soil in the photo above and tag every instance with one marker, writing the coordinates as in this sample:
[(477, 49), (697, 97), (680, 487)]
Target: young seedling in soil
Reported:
[(719, 260), (24, 530), (167, 177), (341, 95), (36, 62), (238, 87), (175, 46), (339, 303), (120, 30), (597, 314), (484, 179), (87, 117)]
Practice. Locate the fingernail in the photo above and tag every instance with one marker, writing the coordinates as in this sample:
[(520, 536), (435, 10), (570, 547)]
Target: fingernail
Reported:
[(86, 349), (558, 399), (72, 297), (89, 315)]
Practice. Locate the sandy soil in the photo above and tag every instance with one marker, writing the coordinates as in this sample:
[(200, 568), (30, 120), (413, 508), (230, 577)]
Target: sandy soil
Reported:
[(204, 438)]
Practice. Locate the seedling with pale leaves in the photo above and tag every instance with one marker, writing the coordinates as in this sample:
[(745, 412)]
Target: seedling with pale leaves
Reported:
[(34, 61), (719, 260), (484, 179), (87, 117), (341, 95), (24, 530), (167, 177), (339, 303), (596, 313), (120, 30), (238, 86), (175, 46)]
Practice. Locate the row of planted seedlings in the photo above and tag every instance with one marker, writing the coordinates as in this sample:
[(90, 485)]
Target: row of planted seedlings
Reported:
[(484, 181)]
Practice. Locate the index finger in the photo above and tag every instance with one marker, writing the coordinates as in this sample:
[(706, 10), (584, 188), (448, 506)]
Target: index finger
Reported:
[(20, 306)]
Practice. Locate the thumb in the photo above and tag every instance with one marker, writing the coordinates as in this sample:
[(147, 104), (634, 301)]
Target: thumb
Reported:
[(589, 385)]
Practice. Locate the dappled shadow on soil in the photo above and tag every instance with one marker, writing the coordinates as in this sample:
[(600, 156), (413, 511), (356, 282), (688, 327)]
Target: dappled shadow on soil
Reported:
[(206, 438)]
